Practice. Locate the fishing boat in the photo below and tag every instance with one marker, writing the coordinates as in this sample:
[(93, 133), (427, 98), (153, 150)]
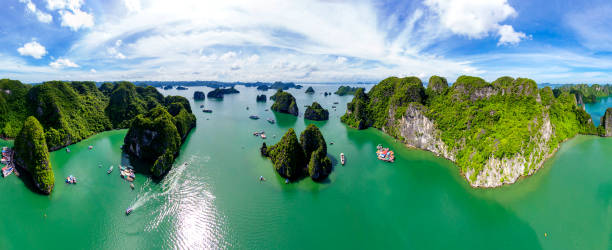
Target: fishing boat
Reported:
[(384, 154), (254, 117), (271, 121), (207, 110), (128, 211), (110, 170), (342, 158)]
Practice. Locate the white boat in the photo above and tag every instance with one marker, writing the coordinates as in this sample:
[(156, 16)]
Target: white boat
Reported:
[(342, 158), (110, 170)]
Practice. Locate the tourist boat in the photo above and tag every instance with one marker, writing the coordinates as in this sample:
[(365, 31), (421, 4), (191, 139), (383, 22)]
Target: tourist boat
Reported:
[(207, 110), (384, 154), (110, 170), (90, 147), (335, 102), (271, 121), (342, 158), (267, 110), (254, 117), (128, 211), (202, 106), (132, 186), (67, 150), (6, 171), (261, 178), (262, 135)]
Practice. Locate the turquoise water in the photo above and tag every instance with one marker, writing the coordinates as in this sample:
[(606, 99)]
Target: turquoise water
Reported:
[(598, 109), (212, 197)]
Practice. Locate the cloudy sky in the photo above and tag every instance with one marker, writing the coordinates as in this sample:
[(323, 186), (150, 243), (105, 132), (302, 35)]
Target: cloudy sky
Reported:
[(305, 41)]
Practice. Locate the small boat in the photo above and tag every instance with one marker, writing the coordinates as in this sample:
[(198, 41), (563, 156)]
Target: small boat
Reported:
[(333, 107), (331, 143), (247, 108), (254, 117), (67, 150), (267, 110), (286, 181), (335, 102), (207, 110), (132, 186), (90, 147), (71, 180), (110, 170), (202, 106), (263, 136), (342, 158), (261, 178), (6, 171), (271, 121), (128, 211)]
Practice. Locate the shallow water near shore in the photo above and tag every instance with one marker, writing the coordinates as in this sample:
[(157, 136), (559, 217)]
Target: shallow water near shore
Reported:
[(212, 198)]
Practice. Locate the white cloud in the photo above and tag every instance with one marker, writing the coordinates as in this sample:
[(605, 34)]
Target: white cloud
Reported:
[(592, 26), (40, 15), (93, 71), (64, 4), (76, 19), (509, 36), (228, 56), (132, 5), (63, 63), (341, 60), (476, 18), (33, 49)]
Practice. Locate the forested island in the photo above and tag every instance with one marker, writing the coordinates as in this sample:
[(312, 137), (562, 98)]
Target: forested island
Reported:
[(316, 113), (284, 103), (309, 90), (495, 132), (199, 96), (261, 98), (295, 159), (63, 113), (220, 92), (585, 93), (346, 90)]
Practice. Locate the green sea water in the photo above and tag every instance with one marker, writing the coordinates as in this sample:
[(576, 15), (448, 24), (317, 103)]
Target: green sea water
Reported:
[(212, 198)]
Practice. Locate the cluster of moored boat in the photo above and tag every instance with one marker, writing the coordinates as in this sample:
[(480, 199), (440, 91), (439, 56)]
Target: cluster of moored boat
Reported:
[(71, 180), (8, 168), (261, 134), (384, 154)]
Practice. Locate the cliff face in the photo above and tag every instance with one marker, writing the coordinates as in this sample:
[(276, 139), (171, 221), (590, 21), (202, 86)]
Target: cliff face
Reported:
[(495, 132), (316, 113), (606, 123), (284, 103), (32, 155)]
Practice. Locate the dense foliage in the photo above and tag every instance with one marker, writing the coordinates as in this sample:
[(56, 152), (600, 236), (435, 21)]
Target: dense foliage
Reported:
[(346, 90), (309, 90), (32, 154), (284, 103), (199, 95), (587, 93), (13, 105), (476, 119), (605, 129), (261, 98), (218, 93), (316, 113), (295, 160)]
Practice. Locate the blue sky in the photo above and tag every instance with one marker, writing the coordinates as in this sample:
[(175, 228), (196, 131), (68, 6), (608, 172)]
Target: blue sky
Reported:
[(305, 41)]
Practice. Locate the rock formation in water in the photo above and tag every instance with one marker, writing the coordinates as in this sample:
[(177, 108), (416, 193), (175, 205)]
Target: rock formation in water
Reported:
[(263, 87), (606, 123), (31, 154), (156, 137), (495, 132), (310, 90), (199, 95), (346, 90), (218, 93), (284, 103), (294, 160), (261, 98), (316, 113)]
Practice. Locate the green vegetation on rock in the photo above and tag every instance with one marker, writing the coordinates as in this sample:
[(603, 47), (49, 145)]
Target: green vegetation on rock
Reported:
[(31, 153), (295, 160), (316, 113), (606, 124), (586, 93), (284, 103), (218, 93), (473, 121), (346, 90)]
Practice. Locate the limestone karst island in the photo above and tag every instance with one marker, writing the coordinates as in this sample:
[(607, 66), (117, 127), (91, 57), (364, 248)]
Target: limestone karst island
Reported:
[(306, 124)]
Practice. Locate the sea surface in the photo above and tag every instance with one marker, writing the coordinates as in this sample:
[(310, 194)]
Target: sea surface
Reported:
[(212, 198)]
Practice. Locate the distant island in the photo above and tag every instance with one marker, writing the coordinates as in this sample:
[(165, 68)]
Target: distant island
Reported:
[(199, 96), (495, 132), (585, 93), (261, 98), (309, 90), (220, 92), (294, 160), (345, 90), (49, 116)]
